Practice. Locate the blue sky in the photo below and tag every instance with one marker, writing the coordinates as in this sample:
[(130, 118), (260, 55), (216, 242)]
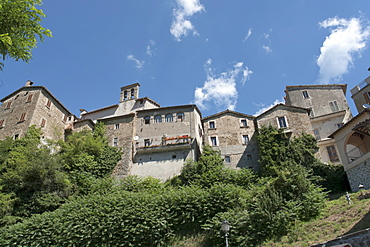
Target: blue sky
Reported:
[(236, 55)]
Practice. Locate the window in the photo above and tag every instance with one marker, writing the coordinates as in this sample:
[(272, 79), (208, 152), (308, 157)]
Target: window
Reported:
[(169, 118), (125, 95), (1, 123), (244, 122), (29, 98), (245, 139), (332, 152), (212, 125), (48, 103), (180, 117), (132, 93), (43, 122), (214, 141), (282, 122), (146, 142), (23, 117), (16, 136), (367, 97), (174, 156), (158, 119), (305, 94), (249, 157), (334, 106), (115, 142), (339, 125), (227, 159), (312, 113), (317, 134), (8, 105), (116, 126), (147, 120)]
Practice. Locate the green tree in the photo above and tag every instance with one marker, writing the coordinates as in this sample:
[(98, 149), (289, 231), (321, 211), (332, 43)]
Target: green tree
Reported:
[(86, 156), (20, 28), (31, 179)]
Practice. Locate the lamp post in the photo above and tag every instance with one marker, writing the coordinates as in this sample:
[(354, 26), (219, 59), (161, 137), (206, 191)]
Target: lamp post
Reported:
[(225, 227)]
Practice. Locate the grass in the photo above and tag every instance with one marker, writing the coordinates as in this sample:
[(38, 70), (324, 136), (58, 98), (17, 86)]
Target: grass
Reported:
[(337, 219)]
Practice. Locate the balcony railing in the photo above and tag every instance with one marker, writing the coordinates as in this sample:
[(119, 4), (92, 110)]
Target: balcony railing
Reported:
[(165, 143)]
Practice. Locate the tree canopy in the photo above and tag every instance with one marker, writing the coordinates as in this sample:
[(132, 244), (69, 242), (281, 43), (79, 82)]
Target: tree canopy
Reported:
[(20, 28)]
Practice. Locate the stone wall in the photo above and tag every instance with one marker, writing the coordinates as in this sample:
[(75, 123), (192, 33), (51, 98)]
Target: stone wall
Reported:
[(120, 132), (357, 239), (359, 175)]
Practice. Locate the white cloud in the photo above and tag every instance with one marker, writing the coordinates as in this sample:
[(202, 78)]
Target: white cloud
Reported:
[(265, 108), (150, 50), (248, 34), (347, 38), (139, 64), (181, 25), (221, 89), (267, 49)]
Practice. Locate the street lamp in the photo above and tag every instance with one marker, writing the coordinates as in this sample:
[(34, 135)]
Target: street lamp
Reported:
[(225, 227)]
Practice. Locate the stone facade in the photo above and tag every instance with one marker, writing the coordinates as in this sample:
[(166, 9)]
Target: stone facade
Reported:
[(294, 120), (33, 105), (233, 134), (329, 111)]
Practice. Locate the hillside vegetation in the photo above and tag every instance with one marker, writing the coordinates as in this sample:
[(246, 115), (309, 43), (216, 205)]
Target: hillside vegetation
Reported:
[(76, 203)]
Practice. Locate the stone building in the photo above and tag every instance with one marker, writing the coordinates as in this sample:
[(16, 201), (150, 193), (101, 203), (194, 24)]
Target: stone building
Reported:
[(33, 105), (353, 140), (329, 111), (294, 120), (233, 134)]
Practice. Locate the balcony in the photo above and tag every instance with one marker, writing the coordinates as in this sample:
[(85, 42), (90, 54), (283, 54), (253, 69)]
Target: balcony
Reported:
[(165, 144)]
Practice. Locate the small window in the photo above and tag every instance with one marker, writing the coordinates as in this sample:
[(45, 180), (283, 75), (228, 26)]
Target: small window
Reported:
[(334, 106), (146, 142), (227, 159), (317, 134), (48, 103), (147, 120), (244, 122), (69, 118), (305, 94), (214, 141), (245, 139), (23, 117), (212, 125), (332, 152), (132, 93), (174, 156), (16, 136), (115, 142), (43, 122), (125, 95), (249, 157), (8, 105), (158, 119), (1, 123), (282, 122), (116, 126), (29, 98), (180, 117), (169, 118)]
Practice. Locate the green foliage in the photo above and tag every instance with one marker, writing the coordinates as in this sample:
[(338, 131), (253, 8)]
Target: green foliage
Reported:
[(87, 157), (210, 170), (125, 218), (20, 28), (31, 179)]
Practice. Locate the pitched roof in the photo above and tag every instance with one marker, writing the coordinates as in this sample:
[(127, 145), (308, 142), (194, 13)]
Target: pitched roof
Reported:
[(283, 105), (228, 112)]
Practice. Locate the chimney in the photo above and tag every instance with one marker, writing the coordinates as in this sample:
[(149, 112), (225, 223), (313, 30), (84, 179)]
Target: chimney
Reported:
[(29, 83)]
